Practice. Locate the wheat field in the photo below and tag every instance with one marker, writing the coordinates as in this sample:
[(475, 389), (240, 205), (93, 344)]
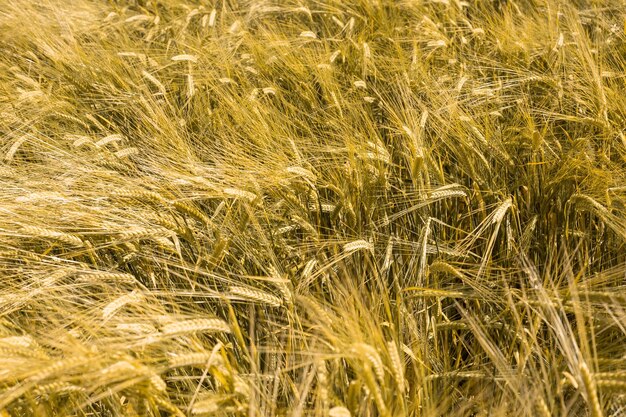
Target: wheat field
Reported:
[(313, 208)]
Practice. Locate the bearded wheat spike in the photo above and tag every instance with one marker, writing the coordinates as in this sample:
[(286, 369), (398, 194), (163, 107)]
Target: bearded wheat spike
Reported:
[(611, 384), (81, 141), (358, 245), (100, 277), (397, 365), (542, 408), (499, 213), (440, 266), (190, 210), (191, 359), (441, 194), (591, 390), (212, 18), (462, 375), (608, 375), (138, 18), (110, 309), (57, 367), (256, 295), (269, 91), (185, 57), (139, 233), (196, 325), (308, 34), (13, 149), (207, 406), (154, 82), (388, 256), (302, 172), (584, 201), (58, 387), (141, 328), (191, 87), (324, 208), (369, 352), (282, 285), (367, 53), (285, 229), (53, 234), (141, 195), (308, 268), (339, 411), (236, 192), (109, 139), (379, 152), (126, 152), (20, 341), (322, 382), (157, 382), (119, 367)]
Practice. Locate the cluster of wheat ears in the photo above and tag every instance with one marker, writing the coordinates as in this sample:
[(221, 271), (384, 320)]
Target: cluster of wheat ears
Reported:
[(313, 208)]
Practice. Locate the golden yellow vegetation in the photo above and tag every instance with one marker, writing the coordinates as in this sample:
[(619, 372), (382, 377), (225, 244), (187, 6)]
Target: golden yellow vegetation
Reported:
[(312, 208)]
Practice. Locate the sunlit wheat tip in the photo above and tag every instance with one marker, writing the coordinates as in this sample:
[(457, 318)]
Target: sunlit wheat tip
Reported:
[(236, 192), (438, 195), (109, 139), (154, 81), (158, 383), (126, 152), (269, 91), (212, 16), (206, 407), (358, 245), (308, 34), (200, 359), (339, 411), (110, 309), (499, 213), (81, 141), (22, 341), (185, 57), (138, 18), (302, 172), (367, 53)]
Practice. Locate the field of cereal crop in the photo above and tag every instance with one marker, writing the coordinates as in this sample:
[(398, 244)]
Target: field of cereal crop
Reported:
[(318, 208)]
